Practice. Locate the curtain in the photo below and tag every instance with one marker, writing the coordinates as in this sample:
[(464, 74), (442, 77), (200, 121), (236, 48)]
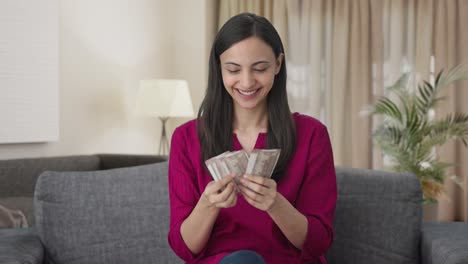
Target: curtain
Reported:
[(341, 54), (330, 71), (450, 48)]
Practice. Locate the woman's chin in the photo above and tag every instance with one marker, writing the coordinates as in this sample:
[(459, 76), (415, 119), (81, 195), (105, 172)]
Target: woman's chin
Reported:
[(252, 105)]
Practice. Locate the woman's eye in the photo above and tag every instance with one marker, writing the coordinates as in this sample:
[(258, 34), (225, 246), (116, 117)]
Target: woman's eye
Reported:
[(260, 70), (233, 71)]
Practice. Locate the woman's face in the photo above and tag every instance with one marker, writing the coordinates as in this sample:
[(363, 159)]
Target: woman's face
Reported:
[(248, 69)]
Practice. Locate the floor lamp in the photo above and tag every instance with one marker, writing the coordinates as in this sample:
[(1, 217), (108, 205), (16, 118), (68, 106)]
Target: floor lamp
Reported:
[(164, 99)]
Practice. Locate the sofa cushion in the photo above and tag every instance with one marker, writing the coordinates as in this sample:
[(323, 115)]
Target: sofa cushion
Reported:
[(377, 218), (108, 216)]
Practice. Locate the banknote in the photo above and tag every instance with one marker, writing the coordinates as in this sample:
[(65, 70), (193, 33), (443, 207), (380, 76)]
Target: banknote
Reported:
[(210, 164), (263, 162), (216, 168), (260, 162), (235, 163)]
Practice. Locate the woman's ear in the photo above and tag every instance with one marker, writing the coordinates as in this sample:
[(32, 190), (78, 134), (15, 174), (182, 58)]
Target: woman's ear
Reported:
[(279, 61)]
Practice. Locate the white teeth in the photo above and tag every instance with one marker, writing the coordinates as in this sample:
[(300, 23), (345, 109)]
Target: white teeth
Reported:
[(247, 93)]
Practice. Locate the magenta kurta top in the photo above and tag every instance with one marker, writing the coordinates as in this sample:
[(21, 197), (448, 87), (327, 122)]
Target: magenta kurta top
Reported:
[(309, 184)]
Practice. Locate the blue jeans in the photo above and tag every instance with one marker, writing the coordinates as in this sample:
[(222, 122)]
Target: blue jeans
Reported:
[(243, 257)]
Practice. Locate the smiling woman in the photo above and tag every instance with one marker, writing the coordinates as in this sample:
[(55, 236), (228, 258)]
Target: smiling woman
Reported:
[(247, 80), (256, 219), (248, 71)]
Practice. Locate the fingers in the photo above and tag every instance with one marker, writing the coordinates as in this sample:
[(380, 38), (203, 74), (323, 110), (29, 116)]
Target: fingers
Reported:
[(249, 193), (218, 186), (224, 194), (252, 201), (225, 180), (258, 191), (221, 195), (229, 202), (257, 179), (258, 184)]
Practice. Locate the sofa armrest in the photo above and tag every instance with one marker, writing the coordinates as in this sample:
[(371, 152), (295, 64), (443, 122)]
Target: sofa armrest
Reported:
[(112, 161), (20, 246), (444, 243)]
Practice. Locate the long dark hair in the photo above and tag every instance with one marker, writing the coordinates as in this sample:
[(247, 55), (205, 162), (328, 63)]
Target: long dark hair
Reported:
[(216, 113)]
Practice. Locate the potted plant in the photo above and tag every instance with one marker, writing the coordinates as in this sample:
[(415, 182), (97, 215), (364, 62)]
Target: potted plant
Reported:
[(409, 131)]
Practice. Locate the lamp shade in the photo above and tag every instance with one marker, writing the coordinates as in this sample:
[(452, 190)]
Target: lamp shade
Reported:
[(164, 98)]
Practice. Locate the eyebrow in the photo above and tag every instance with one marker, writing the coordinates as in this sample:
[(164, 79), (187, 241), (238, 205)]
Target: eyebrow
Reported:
[(256, 63)]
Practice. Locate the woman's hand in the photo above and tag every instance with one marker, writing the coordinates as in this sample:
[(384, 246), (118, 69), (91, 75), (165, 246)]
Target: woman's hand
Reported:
[(258, 191), (220, 194)]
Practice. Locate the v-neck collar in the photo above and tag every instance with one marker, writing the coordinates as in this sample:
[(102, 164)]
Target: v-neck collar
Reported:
[(260, 143)]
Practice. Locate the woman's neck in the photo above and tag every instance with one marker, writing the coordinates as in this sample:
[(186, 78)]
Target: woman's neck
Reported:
[(249, 120)]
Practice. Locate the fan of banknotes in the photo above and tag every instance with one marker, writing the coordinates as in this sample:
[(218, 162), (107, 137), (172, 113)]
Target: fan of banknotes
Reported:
[(260, 162)]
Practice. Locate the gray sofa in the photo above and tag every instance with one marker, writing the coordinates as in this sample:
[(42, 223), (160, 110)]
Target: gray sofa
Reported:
[(114, 209)]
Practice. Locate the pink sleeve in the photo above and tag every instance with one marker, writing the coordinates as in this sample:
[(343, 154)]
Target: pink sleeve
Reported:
[(183, 194), (317, 197)]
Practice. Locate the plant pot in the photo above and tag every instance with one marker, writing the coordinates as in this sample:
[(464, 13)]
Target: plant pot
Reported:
[(430, 212)]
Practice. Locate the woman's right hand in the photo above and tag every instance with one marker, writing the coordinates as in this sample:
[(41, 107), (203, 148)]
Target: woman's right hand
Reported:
[(196, 228), (221, 194)]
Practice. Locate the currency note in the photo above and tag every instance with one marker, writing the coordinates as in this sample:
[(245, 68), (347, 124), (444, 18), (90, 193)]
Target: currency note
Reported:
[(210, 164), (262, 162), (216, 168), (235, 163), (259, 162)]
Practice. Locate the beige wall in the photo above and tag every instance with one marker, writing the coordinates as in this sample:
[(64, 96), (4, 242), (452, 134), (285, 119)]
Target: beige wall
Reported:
[(106, 47), (194, 20)]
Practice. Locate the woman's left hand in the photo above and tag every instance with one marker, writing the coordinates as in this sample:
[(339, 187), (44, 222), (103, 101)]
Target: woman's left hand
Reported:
[(258, 191)]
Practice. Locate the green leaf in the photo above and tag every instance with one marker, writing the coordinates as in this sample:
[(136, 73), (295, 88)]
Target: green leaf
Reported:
[(388, 108), (437, 79)]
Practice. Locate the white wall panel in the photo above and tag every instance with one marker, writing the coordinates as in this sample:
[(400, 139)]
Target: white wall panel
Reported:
[(29, 70)]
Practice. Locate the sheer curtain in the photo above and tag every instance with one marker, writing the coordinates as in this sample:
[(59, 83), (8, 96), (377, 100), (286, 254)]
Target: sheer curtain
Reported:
[(329, 71), (450, 47), (341, 54)]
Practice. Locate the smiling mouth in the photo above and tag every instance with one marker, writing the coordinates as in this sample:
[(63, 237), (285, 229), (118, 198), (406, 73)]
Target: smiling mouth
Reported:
[(247, 93)]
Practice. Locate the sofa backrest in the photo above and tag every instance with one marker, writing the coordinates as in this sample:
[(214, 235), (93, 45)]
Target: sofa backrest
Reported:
[(113, 161), (108, 216), (18, 176), (377, 219)]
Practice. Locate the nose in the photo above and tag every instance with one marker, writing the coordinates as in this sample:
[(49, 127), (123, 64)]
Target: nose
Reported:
[(247, 80)]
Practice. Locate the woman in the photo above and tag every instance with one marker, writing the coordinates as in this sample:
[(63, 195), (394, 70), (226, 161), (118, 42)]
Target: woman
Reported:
[(285, 219)]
